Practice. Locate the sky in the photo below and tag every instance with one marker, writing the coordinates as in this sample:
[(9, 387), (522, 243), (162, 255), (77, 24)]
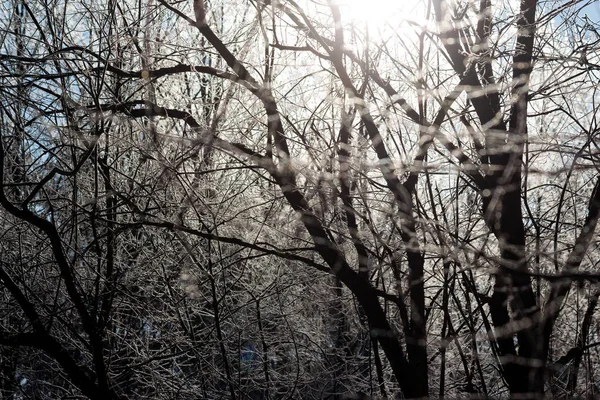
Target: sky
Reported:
[(592, 11)]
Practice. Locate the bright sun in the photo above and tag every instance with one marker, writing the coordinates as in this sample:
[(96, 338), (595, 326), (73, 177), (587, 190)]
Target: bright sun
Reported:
[(379, 14), (383, 18)]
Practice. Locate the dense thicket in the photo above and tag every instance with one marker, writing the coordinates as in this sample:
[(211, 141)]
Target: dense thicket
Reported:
[(299, 199)]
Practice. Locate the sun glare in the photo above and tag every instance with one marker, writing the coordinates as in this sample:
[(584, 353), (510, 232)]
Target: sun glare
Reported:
[(381, 15)]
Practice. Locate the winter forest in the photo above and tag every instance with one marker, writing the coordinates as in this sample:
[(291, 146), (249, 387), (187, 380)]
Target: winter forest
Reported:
[(299, 199)]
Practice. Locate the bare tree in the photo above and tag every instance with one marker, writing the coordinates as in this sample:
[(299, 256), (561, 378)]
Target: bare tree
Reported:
[(281, 199)]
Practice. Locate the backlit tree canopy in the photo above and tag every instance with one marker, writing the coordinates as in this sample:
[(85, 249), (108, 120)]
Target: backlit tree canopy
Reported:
[(299, 199)]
